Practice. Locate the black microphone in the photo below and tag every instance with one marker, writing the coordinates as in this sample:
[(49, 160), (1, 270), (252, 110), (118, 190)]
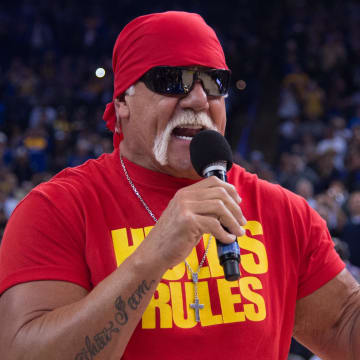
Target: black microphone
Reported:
[(211, 155)]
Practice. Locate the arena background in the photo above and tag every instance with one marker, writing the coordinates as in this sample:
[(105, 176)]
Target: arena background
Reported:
[(297, 121)]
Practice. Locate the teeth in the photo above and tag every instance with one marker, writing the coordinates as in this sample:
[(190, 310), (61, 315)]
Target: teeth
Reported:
[(190, 126), (184, 137)]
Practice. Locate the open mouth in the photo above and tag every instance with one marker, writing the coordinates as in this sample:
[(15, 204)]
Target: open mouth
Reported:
[(187, 131)]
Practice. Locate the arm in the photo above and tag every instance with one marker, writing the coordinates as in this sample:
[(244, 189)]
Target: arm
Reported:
[(60, 320), (328, 320)]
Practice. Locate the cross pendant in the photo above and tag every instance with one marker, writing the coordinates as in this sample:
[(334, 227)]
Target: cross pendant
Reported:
[(196, 306)]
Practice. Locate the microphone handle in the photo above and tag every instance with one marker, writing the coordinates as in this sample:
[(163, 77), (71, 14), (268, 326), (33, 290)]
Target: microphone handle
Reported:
[(229, 254)]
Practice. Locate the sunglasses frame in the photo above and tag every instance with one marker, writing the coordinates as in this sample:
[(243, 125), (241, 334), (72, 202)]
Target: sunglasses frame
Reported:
[(153, 76)]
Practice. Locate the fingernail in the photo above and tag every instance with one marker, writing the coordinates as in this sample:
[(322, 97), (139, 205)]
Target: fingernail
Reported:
[(233, 237), (244, 221)]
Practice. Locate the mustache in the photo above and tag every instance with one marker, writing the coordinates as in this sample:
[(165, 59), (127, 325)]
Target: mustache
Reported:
[(183, 118), (189, 117)]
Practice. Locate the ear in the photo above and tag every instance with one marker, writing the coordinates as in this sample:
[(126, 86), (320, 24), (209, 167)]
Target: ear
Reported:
[(122, 112)]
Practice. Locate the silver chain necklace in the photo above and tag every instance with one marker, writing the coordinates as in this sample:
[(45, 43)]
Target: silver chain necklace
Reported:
[(194, 274)]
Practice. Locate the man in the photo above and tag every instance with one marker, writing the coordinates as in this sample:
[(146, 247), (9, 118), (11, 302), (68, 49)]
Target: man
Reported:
[(118, 242)]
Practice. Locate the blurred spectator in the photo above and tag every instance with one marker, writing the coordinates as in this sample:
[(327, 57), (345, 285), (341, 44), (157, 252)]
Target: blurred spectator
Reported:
[(326, 169), (351, 231), (41, 35), (21, 165), (333, 51), (82, 153), (292, 168), (42, 114), (333, 142), (9, 187), (5, 153), (305, 188), (313, 126), (313, 101), (259, 166), (308, 146), (298, 80), (330, 209), (36, 142), (289, 107), (288, 134), (342, 249), (352, 160), (355, 120), (338, 193)]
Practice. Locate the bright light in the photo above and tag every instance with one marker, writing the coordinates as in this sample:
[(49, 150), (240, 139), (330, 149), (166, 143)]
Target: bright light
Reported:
[(100, 72)]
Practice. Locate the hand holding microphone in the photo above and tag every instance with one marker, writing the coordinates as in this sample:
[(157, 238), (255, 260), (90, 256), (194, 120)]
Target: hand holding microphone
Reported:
[(211, 155)]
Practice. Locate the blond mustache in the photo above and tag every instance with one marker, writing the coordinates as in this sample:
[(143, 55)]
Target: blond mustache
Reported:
[(185, 117)]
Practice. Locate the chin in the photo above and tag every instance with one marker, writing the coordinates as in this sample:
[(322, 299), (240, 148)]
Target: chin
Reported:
[(175, 158), (181, 167)]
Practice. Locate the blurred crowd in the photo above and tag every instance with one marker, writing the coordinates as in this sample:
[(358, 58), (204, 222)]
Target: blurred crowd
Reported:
[(51, 102), (318, 131)]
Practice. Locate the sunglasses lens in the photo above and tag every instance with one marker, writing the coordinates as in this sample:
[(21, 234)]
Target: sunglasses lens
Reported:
[(163, 80), (187, 77), (169, 80), (215, 82)]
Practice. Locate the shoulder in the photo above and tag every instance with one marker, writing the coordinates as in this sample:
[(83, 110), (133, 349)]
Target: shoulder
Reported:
[(276, 207), (69, 192), (80, 180), (263, 190)]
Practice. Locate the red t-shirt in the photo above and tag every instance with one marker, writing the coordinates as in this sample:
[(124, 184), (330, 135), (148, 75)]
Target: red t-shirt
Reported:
[(82, 224)]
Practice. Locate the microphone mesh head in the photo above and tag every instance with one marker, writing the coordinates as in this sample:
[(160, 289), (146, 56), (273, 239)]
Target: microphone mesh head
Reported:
[(208, 147)]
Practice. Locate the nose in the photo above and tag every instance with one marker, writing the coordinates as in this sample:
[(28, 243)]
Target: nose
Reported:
[(196, 100)]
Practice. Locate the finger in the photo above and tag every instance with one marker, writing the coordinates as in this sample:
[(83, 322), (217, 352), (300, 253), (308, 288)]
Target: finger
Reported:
[(220, 193), (215, 208), (212, 226), (230, 188), (213, 181)]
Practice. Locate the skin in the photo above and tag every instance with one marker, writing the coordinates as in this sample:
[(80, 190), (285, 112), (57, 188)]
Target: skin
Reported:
[(138, 142), (328, 320), (50, 319)]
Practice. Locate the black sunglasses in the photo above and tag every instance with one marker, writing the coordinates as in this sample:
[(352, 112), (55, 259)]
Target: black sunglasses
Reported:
[(169, 80)]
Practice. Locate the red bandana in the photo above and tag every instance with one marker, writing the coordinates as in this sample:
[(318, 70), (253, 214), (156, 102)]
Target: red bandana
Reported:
[(171, 38)]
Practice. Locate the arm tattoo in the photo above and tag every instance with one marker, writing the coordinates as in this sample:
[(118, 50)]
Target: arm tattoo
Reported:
[(121, 316), (100, 340), (135, 299), (103, 338)]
